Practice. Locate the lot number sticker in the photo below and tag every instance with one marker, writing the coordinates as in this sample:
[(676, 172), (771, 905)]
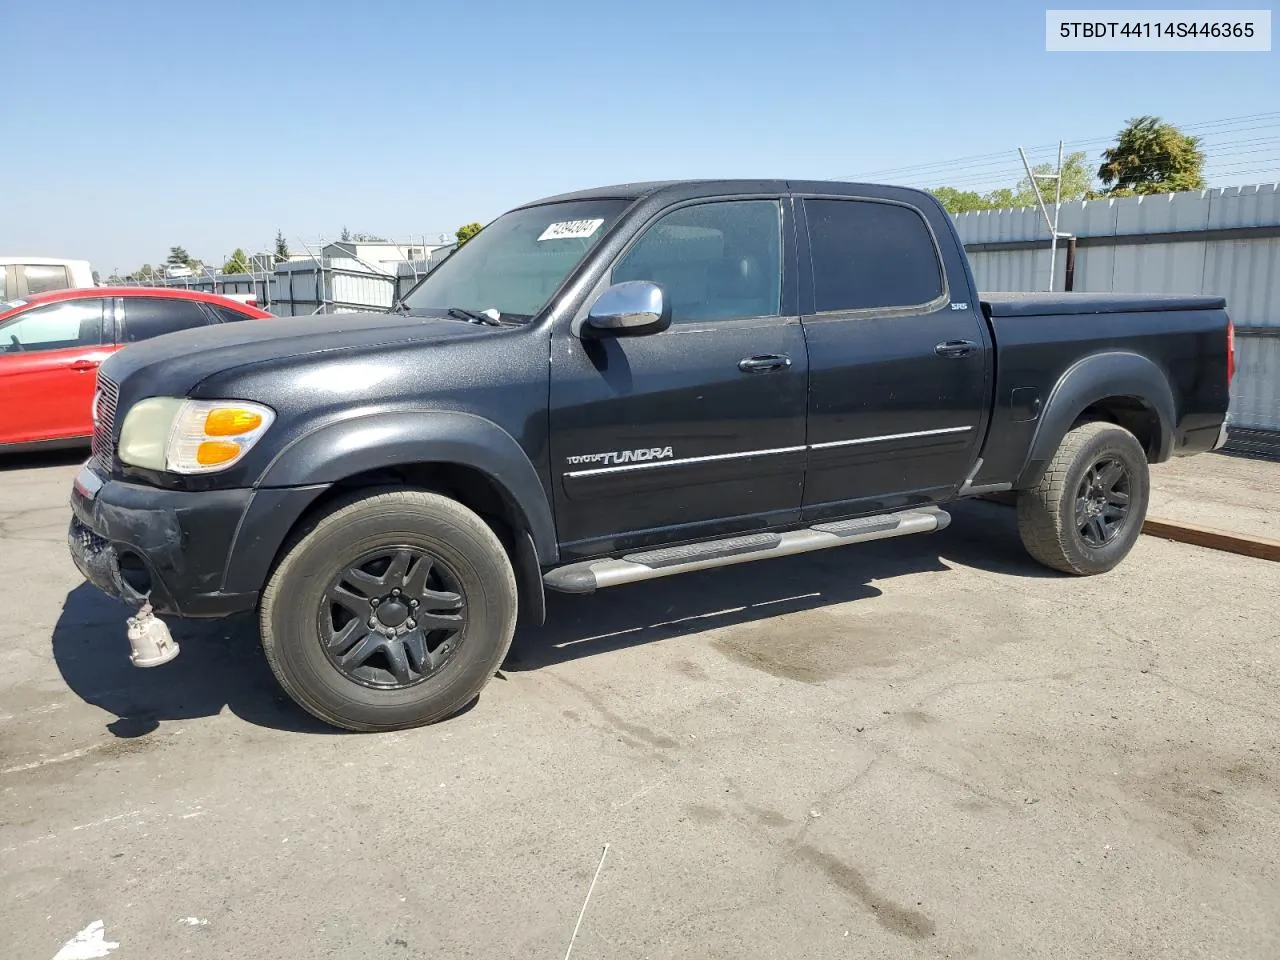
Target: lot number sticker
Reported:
[(570, 229)]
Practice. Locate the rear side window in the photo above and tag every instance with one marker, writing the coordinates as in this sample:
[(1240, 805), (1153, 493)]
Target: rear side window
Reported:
[(870, 255), (147, 317), (714, 261), (42, 278), (226, 314), (58, 326)]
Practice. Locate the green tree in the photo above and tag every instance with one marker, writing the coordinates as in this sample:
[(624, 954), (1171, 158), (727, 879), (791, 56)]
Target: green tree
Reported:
[(1076, 185), (1151, 156), (467, 231), (178, 257), (960, 201), (282, 248), (346, 234), (144, 272), (238, 262), (1076, 181)]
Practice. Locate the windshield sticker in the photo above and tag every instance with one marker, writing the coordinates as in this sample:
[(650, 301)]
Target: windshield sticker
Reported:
[(570, 229)]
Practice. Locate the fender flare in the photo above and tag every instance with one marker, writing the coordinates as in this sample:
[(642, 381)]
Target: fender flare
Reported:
[(354, 445), (1090, 380)]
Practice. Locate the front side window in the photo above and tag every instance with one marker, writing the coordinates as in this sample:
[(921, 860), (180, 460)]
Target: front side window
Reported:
[(516, 264), (147, 317), (58, 326), (42, 278), (869, 255), (714, 261)]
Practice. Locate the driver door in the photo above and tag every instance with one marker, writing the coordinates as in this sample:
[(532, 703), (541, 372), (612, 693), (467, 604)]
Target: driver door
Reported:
[(49, 358), (697, 431)]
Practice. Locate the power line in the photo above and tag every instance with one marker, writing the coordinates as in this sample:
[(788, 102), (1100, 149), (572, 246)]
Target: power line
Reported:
[(968, 162), (1002, 166), (1010, 174)]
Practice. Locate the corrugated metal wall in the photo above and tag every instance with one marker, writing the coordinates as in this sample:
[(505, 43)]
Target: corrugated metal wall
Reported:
[(1132, 245), (329, 285)]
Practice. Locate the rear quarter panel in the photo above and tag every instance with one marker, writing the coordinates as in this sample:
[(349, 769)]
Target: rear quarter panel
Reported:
[(1036, 357)]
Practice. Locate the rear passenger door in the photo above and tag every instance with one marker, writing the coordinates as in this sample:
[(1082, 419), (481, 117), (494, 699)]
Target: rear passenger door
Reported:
[(898, 370), (147, 317)]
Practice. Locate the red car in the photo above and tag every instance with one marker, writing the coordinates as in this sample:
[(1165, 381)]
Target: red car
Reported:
[(51, 345)]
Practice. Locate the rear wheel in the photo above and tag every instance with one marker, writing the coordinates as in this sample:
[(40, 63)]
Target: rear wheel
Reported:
[(392, 611), (1086, 512)]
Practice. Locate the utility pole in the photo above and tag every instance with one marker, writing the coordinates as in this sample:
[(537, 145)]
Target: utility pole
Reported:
[(1054, 233)]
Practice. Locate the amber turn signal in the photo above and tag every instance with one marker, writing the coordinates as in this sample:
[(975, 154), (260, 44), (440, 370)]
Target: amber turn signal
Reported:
[(231, 422), (216, 451)]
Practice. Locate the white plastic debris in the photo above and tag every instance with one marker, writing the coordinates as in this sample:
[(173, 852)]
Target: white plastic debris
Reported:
[(89, 944), (149, 639)]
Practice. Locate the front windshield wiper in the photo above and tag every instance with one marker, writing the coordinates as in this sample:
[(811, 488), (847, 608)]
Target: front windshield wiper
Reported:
[(473, 316)]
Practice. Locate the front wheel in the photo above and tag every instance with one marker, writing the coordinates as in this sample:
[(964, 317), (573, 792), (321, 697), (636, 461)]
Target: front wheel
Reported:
[(392, 611), (1086, 512)]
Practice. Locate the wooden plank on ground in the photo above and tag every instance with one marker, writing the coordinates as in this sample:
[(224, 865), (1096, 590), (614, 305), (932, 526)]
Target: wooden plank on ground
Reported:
[(1260, 547)]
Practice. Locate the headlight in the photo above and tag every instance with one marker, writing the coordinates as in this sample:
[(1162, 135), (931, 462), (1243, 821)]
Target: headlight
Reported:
[(191, 436)]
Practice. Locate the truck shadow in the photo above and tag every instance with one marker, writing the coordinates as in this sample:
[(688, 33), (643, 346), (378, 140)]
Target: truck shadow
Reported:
[(982, 535), (222, 665)]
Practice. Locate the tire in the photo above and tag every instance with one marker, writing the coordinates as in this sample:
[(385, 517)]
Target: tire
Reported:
[(363, 558), (1081, 534)]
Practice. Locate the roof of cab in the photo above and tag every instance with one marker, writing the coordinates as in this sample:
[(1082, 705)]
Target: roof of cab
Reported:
[(688, 189)]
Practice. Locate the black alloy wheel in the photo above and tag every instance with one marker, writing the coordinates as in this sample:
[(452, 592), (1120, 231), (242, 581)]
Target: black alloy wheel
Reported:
[(393, 617), (391, 609), (1086, 511), (1102, 502)]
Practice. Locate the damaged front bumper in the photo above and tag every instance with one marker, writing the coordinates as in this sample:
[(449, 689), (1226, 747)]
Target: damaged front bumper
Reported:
[(169, 547)]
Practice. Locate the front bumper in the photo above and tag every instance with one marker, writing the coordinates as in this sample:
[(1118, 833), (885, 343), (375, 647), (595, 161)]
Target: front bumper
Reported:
[(137, 542)]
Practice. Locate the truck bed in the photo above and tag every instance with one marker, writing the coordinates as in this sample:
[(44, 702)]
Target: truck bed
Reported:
[(1165, 362)]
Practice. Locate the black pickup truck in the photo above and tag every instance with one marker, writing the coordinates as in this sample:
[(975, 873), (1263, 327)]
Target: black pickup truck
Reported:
[(611, 386)]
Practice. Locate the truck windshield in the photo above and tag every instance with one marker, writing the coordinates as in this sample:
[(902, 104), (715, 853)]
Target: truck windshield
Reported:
[(516, 263)]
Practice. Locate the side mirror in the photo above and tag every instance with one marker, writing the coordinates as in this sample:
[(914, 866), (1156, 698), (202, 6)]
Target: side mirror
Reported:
[(633, 308)]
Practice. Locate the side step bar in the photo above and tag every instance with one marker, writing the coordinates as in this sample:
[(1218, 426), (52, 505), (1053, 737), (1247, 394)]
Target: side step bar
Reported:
[(589, 576)]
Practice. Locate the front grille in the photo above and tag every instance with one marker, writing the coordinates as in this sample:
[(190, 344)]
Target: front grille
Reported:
[(104, 422), (88, 541)]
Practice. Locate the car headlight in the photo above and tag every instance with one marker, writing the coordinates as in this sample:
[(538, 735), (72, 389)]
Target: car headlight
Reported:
[(191, 436)]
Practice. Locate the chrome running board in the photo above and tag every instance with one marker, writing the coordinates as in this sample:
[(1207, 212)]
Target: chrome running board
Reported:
[(589, 576)]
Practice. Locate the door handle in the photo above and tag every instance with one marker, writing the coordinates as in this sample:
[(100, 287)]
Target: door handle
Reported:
[(773, 361), (83, 365), (955, 348)]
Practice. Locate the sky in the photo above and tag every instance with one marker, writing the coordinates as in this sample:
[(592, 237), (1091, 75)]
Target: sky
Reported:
[(134, 126)]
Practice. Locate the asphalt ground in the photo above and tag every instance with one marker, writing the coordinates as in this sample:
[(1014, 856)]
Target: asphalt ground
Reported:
[(915, 748)]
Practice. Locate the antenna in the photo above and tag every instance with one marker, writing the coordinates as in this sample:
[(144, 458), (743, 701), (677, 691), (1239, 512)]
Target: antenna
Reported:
[(1054, 233)]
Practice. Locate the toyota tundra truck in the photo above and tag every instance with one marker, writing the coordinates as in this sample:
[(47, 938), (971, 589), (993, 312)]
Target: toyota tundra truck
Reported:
[(611, 386)]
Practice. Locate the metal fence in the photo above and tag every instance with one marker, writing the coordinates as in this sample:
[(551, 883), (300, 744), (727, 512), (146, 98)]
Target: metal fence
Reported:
[(1223, 242), (316, 284)]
